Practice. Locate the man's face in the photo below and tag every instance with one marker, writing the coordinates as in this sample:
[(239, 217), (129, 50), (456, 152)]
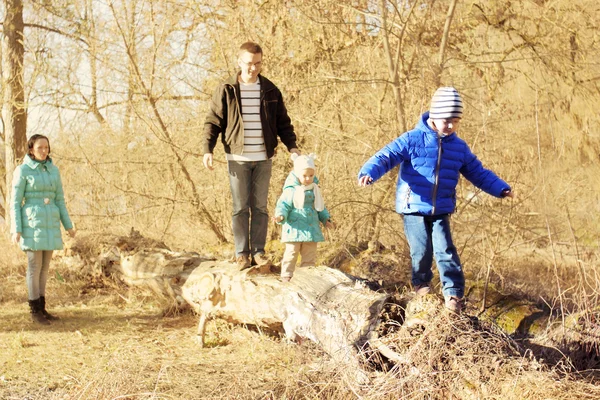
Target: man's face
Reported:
[(446, 126), (250, 65)]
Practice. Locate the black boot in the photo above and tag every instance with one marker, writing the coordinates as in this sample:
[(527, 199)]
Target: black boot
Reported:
[(36, 312), (48, 316)]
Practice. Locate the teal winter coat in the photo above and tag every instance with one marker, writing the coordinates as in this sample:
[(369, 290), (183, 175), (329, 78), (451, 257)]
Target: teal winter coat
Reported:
[(37, 205), (299, 224)]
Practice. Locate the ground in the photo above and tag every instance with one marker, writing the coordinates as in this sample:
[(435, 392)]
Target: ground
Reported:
[(120, 342), (105, 347)]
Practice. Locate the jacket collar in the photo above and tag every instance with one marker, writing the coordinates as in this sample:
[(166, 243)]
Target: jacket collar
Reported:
[(33, 164), (424, 127), (265, 84)]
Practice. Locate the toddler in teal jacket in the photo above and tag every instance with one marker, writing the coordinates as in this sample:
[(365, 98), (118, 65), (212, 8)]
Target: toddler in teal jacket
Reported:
[(301, 210)]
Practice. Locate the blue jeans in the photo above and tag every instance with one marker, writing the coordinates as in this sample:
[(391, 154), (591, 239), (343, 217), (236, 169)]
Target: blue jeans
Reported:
[(249, 181), (428, 236)]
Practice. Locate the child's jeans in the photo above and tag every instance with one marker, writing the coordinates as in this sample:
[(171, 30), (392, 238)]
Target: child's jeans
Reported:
[(428, 236), (306, 250)]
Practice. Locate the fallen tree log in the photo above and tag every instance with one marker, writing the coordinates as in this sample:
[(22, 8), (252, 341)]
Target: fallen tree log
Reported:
[(334, 310)]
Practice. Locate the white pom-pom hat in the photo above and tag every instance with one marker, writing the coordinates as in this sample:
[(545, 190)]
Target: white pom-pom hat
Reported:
[(303, 162)]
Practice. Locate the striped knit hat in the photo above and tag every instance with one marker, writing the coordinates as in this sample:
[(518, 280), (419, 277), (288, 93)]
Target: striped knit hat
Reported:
[(446, 103)]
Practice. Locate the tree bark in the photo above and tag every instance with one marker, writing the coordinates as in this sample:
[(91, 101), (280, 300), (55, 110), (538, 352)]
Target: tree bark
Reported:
[(324, 305), (14, 110)]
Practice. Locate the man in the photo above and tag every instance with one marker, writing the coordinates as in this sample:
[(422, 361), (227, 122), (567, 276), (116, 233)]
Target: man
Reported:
[(248, 112), (431, 158)]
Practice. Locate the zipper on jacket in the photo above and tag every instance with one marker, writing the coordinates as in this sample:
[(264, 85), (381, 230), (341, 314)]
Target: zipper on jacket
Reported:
[(263, 105), (437, 175), (47, 182), (241, 118)]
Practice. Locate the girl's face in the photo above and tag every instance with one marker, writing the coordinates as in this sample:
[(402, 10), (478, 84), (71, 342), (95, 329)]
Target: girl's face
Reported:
[(307, 176), (40, 150)]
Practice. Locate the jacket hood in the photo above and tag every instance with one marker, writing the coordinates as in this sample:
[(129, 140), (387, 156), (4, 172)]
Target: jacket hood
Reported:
[(292, 181)]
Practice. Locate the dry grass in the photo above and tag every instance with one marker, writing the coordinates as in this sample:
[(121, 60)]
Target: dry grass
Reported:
[(106, 348), (114, 342)]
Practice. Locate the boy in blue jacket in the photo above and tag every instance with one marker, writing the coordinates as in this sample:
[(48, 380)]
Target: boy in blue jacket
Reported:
[(431, 159)]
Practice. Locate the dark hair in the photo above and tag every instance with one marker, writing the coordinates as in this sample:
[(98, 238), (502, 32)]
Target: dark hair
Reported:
[(250, 47), (31, 143)]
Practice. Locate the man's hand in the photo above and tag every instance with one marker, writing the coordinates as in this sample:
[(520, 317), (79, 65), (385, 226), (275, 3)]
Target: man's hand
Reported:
[(207, 160), (295, 151), (365, 180)]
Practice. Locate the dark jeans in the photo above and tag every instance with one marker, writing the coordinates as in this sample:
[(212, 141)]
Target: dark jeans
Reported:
[(249, 181), (430, 236)]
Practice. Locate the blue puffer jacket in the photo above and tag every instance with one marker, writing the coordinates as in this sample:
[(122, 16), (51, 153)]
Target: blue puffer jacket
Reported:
[(429, 170), (37, 205), (299, 224)]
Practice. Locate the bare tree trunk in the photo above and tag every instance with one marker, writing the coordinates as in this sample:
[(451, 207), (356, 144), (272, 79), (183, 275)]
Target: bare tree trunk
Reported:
[(14, 111), (93, 59), (444, 44), (393, 66)]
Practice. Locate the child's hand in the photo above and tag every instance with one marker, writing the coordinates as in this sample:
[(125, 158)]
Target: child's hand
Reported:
[(508, 193), (365, 180), (329, 224), (278, 218)]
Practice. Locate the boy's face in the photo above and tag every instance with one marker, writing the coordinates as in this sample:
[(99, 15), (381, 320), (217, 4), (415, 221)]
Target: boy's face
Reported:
[(250, 65), (446, 126), (307, 176)]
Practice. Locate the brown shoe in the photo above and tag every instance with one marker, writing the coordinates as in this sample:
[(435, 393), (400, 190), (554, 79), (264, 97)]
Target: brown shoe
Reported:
[(243, 262), (454, 304), (422, 289), (261, 259)]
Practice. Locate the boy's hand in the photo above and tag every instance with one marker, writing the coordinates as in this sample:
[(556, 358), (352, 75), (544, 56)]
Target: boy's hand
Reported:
[(278, 218), (508, 193), (365, 180)]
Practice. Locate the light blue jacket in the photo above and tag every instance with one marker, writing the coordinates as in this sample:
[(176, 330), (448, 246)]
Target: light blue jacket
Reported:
[(430, 166), (299, 224), (37, 205)]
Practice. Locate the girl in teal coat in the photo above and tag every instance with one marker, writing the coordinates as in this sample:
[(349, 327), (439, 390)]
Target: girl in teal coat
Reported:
[(37, 209), (301, 210)]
